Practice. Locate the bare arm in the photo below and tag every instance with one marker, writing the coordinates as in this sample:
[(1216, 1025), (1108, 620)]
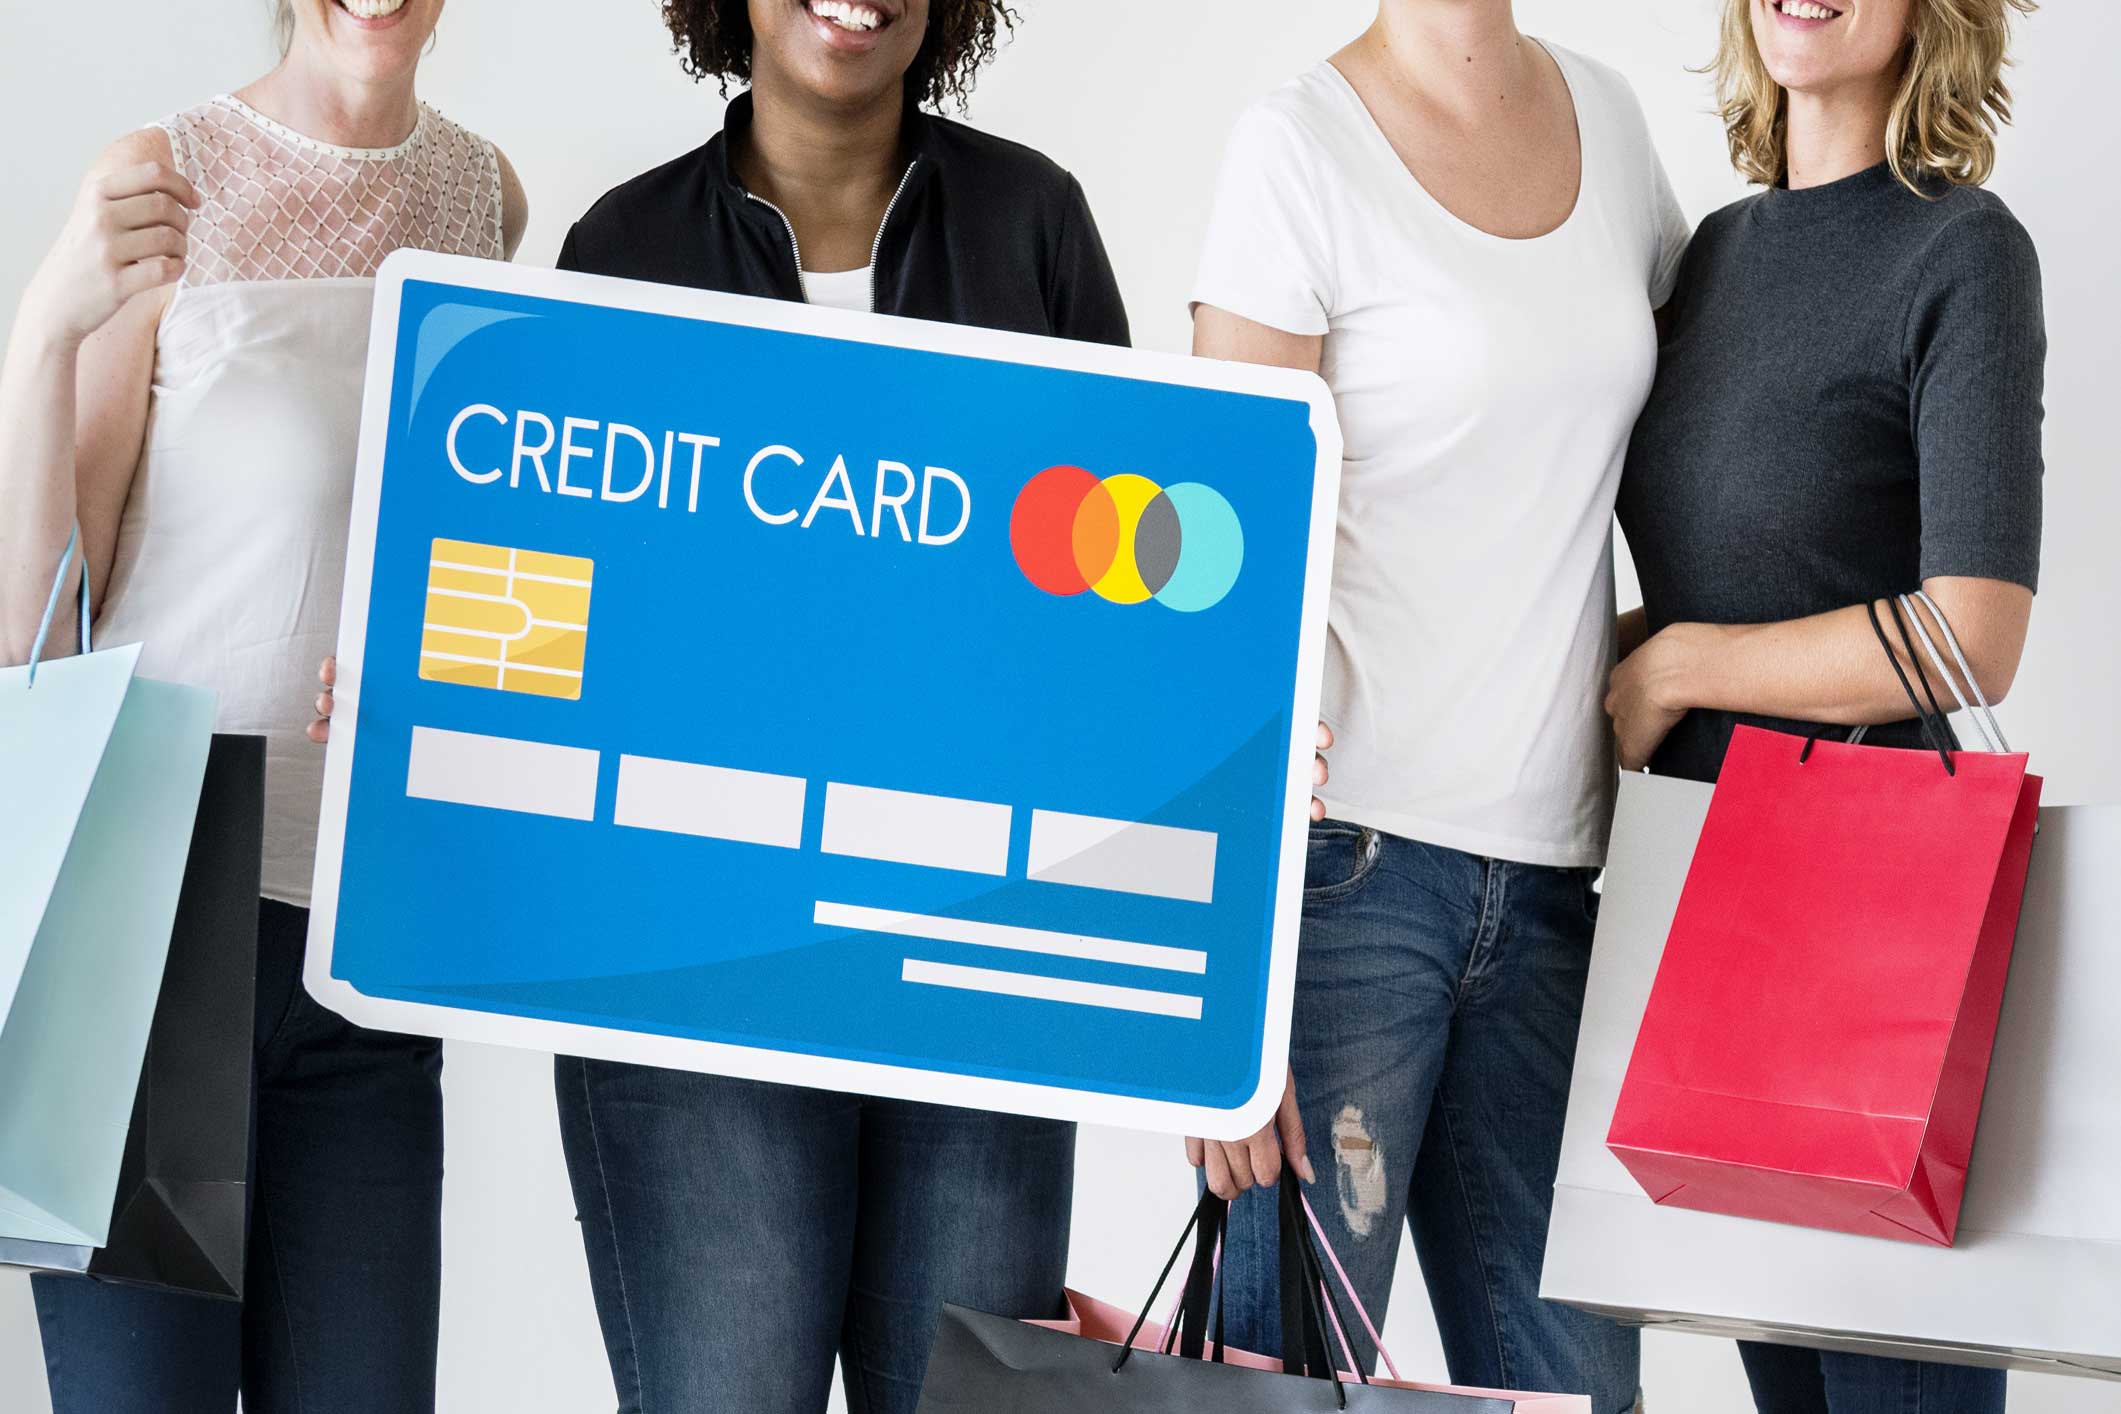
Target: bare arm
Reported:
[(1634, 631), (1826, 668), (75, 385), (515, 207)]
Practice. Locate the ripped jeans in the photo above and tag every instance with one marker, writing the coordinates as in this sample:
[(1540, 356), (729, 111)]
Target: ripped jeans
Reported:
[(1438, 996)]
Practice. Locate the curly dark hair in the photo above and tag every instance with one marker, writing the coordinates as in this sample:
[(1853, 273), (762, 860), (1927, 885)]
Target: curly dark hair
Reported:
[(713, 39)]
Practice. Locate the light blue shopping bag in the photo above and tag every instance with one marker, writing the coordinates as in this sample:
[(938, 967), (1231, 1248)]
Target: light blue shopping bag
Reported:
[(99, 784)]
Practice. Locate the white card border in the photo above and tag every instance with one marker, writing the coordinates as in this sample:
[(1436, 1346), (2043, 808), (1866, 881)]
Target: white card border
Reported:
[(762, 1063)]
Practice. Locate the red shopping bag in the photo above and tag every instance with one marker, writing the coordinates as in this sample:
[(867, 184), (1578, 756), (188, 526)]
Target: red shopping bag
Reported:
[(1818, 1036)]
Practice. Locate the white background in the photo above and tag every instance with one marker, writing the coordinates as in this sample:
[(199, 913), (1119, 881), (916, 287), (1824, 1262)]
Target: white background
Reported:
[(1135, 97)]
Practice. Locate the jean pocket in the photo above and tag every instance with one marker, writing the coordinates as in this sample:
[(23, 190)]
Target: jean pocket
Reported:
[(1338, 859)]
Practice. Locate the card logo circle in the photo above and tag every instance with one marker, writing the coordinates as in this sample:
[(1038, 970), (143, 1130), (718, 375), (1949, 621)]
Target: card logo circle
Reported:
[(1126, 539)]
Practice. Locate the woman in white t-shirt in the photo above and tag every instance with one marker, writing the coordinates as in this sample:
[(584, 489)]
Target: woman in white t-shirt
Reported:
[(1466, 233)]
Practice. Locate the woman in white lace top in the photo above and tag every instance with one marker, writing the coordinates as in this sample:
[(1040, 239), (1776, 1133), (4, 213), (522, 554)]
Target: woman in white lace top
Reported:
[(184, 380)]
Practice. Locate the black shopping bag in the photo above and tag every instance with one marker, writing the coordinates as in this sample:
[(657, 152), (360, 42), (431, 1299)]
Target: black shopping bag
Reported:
[(982, 1362), (179, 1216)]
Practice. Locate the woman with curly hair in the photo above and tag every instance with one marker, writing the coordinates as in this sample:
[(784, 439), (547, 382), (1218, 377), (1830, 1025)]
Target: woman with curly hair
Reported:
[(742, 1235), (1847, 408)]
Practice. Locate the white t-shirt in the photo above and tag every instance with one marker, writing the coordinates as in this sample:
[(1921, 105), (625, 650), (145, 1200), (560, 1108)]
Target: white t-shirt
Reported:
[(838, 289), (1486, 388)]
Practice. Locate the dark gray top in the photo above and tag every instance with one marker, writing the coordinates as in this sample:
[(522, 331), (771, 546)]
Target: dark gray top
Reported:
[(1848, 402)]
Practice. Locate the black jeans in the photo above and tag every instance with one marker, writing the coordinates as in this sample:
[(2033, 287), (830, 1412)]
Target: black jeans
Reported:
[(342, 1279)]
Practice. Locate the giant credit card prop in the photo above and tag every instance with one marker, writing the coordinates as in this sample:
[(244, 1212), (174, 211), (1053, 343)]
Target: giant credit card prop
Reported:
[(825, 698)]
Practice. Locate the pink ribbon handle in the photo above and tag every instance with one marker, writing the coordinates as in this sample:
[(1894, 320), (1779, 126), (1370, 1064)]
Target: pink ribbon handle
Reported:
[(1368, 1326)]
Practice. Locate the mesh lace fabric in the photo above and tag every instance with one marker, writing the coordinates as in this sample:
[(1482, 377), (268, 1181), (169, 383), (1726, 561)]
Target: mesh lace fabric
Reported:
[(281, 206)]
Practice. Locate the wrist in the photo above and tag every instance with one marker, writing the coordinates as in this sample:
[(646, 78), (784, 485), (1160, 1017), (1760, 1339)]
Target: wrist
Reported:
[(1687, 666), (39, 333)]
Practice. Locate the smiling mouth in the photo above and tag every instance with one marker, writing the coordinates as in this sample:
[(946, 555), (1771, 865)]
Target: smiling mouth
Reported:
[(1805, 10), (855, 18), (371, 9)]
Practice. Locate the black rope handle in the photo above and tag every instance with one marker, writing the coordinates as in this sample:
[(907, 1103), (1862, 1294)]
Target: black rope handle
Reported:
[(1313, 1345), (1944, 718), (1210, 1213), (1929, 730)]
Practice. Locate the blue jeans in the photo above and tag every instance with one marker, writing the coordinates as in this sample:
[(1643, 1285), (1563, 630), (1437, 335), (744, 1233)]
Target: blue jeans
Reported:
[(1438, 996), (343, 1273), (1787, 1380), (741, 1235)]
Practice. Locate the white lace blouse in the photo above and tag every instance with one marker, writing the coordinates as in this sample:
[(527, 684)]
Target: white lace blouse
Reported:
[(233, 542)]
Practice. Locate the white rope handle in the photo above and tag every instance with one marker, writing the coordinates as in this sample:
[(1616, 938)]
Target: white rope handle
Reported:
[(1984, 717)]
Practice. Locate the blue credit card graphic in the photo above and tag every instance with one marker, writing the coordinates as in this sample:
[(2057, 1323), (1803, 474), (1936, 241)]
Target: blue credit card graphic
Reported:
[(825, 698)]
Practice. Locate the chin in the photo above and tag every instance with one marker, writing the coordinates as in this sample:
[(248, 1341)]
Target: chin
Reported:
[(377, 39)]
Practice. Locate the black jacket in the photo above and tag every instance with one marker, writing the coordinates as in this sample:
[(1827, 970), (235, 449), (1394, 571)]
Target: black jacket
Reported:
[(983, 231)]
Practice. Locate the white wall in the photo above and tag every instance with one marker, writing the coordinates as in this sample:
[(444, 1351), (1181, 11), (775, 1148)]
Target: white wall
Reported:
[(1134, 96)]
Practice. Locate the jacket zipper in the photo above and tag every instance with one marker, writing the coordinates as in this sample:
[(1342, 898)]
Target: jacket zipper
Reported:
[(793, 244), (875, 247)]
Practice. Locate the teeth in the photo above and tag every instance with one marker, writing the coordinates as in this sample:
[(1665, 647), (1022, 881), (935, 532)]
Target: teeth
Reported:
[(371, 9), (857, 17), (1806, 10)]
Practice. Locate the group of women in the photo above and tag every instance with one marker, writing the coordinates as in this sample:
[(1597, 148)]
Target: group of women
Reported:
[(1828, 394)]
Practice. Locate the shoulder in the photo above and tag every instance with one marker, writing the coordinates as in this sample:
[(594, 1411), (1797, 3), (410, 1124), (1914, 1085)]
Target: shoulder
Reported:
[(1592, 80), (654, 197), (998, 166), (1726, 223), (464, 150), (136, 149), (1310, 114), (1605, 101), (1972, 226)]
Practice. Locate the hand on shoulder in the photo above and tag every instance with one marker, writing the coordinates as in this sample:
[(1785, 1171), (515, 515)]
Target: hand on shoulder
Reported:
[(124, 238)]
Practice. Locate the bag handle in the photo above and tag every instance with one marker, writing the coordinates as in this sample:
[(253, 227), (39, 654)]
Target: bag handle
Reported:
[(1354, 1297), (1209, 1216), (1938, 716), (1984, 716), (1305, 1339), (1936, 732), (51, 603)]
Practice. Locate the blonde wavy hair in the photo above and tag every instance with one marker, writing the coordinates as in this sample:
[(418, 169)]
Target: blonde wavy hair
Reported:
[(1951, 100)]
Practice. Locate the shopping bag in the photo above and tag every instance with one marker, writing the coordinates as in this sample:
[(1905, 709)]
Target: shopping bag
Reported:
[(1817, 1042), (99, 774), (1106, 1358), (178, 1221), (2031, 1281)]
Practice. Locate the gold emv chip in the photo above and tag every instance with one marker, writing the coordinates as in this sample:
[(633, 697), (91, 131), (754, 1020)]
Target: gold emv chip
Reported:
[(516, 620)]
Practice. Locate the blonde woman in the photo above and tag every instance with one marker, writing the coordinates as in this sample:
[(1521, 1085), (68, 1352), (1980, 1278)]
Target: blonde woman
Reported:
[(1847, 407), (184, 380)]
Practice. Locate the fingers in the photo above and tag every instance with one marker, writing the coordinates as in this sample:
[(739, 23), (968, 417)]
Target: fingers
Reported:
[(325, 702), (1289, 1124), (328, 674), (147, 243), (1220, 1183), (1263, 1155), (1194, 1156), (320, 731), (149, 274), (135, 213), (121, 183), (1320, 771)]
